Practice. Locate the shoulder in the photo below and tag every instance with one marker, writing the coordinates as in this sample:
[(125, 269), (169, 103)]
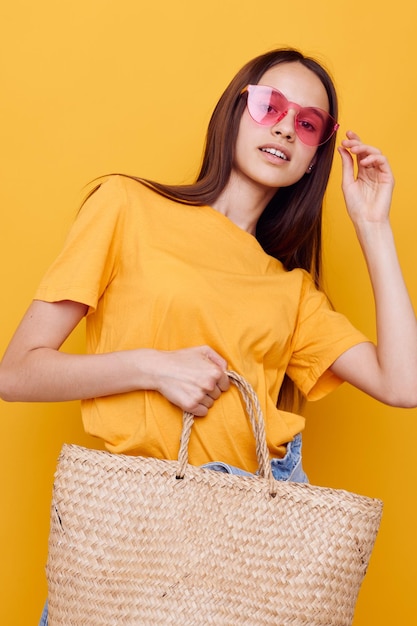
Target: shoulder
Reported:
[(302, 282), (131, 186), (127, 190), (119, 195), (117, 186), (310, 297)]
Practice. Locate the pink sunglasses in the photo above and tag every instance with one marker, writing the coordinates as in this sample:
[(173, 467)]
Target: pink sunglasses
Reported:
[(268, 106)]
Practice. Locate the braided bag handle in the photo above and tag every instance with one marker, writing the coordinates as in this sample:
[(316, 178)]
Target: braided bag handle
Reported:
[(256, 418)]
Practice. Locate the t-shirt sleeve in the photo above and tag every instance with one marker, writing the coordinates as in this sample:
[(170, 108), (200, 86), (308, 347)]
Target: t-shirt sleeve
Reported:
[(88, 260), (321, 336)]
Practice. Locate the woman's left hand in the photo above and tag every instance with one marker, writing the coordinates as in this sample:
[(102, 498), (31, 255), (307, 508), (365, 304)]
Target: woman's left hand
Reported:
[(367, 193)]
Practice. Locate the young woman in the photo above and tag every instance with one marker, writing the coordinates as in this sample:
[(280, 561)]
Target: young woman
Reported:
[(178, 284)]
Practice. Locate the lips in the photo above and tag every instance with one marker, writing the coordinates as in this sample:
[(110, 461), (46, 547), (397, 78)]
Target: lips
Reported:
[(275, 152)]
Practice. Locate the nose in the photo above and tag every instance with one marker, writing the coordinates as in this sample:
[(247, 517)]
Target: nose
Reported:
[(286, 125)]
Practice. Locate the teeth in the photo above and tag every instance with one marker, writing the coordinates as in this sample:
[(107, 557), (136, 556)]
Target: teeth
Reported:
[(275, 152)]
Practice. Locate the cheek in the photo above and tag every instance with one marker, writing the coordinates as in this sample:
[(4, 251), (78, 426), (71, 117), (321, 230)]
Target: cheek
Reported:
[(249, 130), (307, 156), (245, 142)]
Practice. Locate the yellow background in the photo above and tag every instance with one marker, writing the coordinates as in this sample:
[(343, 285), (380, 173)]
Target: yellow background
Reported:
[(96, 86)]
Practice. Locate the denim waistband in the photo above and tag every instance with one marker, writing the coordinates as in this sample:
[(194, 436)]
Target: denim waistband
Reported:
[(289, 468)]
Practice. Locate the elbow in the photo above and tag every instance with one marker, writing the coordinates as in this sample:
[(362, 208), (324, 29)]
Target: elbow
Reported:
[(9, 388), (403, 399), (5, 393), (407, 403)]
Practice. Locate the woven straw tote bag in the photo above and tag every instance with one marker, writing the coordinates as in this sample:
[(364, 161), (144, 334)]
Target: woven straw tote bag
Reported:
[(148, 542)]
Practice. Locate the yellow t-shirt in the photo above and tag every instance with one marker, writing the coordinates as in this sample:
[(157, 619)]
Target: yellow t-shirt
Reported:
[(160, 274)]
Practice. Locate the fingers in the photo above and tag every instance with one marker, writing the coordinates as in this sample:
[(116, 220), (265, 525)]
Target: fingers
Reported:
[(347, 165), (211, 354), (354, 144), (222, 383), (365, 153), (367, 157), (201, 406), (191, 378)]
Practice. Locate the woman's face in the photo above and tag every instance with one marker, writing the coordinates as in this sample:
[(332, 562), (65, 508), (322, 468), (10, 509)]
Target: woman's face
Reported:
[(255, 159)]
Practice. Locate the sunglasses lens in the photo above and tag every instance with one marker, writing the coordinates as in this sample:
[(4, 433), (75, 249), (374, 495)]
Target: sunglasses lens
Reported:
[(267, 106), (313, 126)]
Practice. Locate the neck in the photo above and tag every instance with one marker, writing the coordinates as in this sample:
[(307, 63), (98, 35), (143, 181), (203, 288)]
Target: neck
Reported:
[(243, 203)]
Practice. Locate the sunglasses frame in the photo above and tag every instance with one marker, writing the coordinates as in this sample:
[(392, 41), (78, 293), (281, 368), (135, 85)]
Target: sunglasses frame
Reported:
[(290, 105)]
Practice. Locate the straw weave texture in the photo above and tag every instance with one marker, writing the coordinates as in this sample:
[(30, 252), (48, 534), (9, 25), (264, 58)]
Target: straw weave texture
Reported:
[(131, 544)]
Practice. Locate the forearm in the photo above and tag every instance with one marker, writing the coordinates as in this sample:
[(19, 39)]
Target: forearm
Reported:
[(47, 375), (191, 378), (396, 324)]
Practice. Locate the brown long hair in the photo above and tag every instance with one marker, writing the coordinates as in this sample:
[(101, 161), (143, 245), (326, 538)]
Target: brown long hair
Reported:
[(290, 227)]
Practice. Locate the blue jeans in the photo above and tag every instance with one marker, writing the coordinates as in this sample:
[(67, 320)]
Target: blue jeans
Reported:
[(289, 468), (44, 618)]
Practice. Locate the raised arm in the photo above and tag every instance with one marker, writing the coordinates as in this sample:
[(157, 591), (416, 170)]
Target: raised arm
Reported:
[(33, 368), (387, 371)]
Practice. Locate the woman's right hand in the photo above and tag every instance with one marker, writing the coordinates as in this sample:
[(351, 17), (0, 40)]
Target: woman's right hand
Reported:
[(191, 378)]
